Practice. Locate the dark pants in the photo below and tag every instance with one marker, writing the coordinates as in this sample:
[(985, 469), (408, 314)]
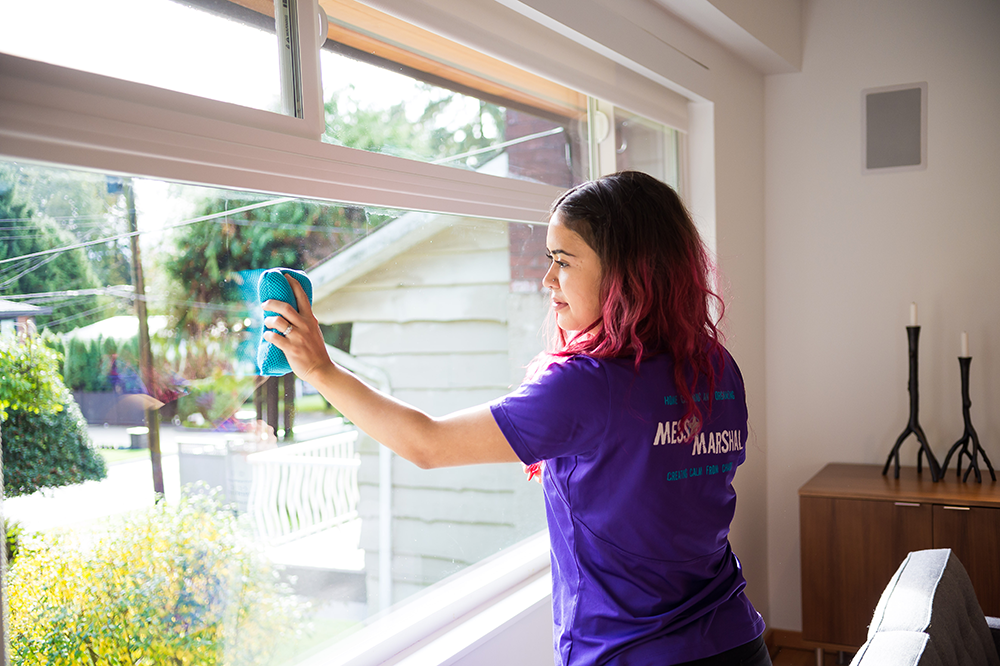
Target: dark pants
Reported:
[(753, 653)]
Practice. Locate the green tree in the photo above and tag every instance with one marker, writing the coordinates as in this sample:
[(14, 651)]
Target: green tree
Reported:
[(87, 364), (23, 231), (48, 450), (29, 377), (75, 365), (480, 129), (210, 255), (470, 125), (86, 205)]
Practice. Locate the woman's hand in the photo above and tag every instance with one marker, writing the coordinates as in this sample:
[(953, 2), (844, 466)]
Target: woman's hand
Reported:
[(303, 343)]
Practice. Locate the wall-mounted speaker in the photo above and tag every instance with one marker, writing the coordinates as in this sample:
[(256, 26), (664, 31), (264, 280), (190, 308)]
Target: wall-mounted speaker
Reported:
[(894, 128)]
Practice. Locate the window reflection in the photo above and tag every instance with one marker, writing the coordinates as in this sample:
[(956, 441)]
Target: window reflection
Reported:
[(375, 109), (644, 145), (218, 50), (396, 89)]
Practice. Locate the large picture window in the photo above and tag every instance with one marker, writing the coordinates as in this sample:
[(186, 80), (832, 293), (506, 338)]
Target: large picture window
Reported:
[(417, 302), (415, 205)]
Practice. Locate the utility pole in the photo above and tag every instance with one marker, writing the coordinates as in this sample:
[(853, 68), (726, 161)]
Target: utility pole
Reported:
[(4, 625), (288, 382), (145, 351)]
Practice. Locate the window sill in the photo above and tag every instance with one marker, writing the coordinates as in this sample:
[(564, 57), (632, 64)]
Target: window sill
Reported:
[(452, 619)]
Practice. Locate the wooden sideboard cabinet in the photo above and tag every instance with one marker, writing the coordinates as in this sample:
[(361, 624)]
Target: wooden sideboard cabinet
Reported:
[(857, 526)]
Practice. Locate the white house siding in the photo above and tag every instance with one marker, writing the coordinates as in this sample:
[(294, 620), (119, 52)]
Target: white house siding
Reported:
[(435, 318)]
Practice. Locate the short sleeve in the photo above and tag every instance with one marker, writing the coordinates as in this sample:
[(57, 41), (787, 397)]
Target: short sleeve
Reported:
[(564, 412)]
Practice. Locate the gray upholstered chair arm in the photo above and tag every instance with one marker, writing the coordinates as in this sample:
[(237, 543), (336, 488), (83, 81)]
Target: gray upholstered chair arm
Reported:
[(929, 616), (994, 623)]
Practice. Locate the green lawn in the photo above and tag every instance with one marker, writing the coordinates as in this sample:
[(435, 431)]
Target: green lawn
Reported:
[(112, 456)]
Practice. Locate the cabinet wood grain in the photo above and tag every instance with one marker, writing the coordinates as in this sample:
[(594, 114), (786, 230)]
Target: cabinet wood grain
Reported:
[(850, 549), (973, 534), (856, 527)]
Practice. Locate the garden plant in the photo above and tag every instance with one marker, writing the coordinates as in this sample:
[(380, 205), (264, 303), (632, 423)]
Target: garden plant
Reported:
[(175, 584)]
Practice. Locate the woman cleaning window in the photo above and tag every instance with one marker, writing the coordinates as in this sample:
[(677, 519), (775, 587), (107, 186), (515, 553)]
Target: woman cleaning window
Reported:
[(636, 422)]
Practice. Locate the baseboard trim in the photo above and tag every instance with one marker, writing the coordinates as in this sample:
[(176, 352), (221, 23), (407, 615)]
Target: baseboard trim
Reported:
[(775, 639)]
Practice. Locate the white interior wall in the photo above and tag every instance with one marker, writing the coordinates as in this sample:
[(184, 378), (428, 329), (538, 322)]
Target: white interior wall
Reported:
[(739, 229), (847, 253)]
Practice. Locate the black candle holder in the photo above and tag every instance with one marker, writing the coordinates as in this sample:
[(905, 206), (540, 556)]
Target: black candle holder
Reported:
[(913, 427), (962, 445)]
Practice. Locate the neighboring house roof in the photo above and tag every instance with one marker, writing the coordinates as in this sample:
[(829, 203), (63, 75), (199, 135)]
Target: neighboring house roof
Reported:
[(382, 245), (386, 242), (12, 310), (121, 327)]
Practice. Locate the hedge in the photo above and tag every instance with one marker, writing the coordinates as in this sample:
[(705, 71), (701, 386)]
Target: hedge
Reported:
[(48, 450)]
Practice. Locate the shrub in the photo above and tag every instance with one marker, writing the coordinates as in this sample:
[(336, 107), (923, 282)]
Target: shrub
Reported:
[(176, 584), (86, 367), (56, 344), (48, 450), (75, 364), (29, 377), (13, 532), (45, 439)]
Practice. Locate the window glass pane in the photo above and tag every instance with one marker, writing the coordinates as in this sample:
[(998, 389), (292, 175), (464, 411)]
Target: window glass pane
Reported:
[(228, 54), (375, 109), (647, 146), (393, 88), (425, 306)]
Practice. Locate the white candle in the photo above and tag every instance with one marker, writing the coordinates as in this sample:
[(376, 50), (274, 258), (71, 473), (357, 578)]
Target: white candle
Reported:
[(913, 314), (965, 344)]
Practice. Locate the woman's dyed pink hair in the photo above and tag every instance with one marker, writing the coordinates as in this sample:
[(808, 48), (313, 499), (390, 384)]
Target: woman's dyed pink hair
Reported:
[(655, 283)]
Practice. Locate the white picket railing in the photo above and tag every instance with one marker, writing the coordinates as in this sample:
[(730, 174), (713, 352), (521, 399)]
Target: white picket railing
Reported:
[(304, 488)]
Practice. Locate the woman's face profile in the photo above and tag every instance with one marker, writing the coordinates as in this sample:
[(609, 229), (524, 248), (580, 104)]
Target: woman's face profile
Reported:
[(574, 276)]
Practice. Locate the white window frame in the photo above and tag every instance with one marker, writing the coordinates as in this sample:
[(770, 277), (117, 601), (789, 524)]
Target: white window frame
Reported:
[(60, 116), (449, 620), (65, 117)]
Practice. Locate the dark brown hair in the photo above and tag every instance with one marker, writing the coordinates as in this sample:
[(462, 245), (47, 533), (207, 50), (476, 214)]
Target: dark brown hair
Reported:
[(656, 277)]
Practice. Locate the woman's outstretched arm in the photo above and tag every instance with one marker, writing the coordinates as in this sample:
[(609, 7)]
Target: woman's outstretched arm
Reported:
[(465, 437)]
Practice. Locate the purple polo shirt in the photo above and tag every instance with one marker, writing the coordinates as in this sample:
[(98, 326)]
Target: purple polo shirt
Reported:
[(638, 517)]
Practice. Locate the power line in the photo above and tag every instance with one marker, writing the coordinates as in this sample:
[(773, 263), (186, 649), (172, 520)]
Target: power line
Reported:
[(80, 315), (22, 237), (123, 290), (28, 270), (41, 232), (35, 267), (119, 291), (18, 266), (130, 234), (56, 218), (499, 146), (278, 225)]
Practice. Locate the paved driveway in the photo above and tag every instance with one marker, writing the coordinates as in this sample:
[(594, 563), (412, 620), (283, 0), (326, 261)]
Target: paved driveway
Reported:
[(129, 486)]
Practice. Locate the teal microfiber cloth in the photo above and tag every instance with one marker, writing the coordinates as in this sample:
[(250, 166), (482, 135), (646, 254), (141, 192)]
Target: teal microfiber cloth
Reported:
[(270, 360)]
